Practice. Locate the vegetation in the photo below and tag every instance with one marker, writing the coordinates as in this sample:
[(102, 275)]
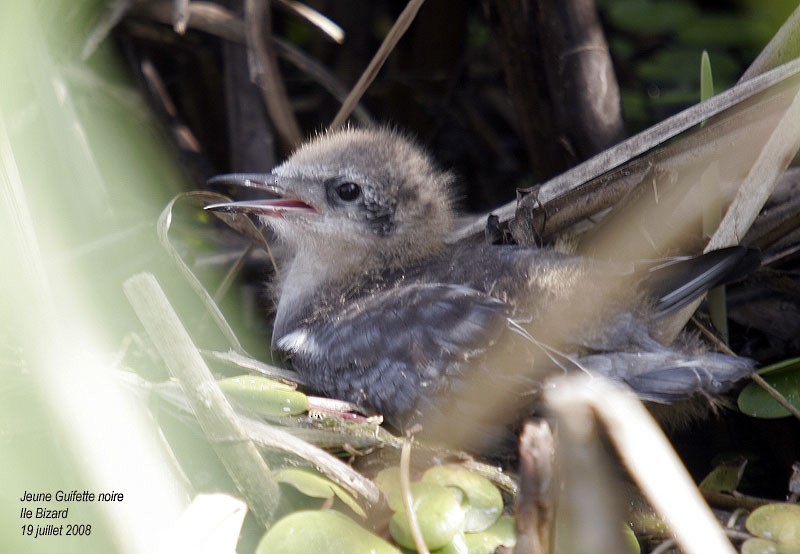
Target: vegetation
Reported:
[(123, 373)]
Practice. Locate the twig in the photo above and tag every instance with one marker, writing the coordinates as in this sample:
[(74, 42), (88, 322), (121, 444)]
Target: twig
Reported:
[(536, 510), (232, 273), (649, 457), (735, 501), (180, 15), (758, 379), (276, 439), (408, 500), (321, 75), (215, 415), (392, 38), (265, 73), (218, 21), (324, 24), (609, 169)]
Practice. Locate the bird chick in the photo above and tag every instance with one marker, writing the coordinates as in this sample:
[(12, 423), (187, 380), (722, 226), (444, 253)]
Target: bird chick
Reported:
[(375, 308)]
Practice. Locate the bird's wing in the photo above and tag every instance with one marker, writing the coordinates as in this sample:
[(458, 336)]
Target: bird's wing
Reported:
[(388, 349), (677, 283)]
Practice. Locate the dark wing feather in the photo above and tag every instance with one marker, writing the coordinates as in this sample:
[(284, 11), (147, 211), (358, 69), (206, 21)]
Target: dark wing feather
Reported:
[(386, 350), (676, 284)]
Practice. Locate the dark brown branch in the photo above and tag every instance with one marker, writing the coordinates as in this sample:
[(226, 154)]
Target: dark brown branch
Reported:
[(264, 71), (583, 89)]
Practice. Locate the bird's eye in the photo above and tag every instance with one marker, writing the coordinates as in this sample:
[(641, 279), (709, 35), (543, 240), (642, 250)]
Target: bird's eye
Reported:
[(348, 191)]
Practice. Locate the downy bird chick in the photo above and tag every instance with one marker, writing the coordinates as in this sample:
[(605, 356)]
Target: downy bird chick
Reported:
[(373, 306)]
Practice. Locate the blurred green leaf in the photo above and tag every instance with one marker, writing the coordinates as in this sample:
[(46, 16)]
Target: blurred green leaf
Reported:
[(706, 77), (316, 486), (759, 546), (633, 542), (725, 477), (321, 532), (388, 481), (777, 527), (502, 533), (784, 377), (791, 363), (456, 546), (713, 30), (650, 16), (483, 502), (439, 514), (265, 396)]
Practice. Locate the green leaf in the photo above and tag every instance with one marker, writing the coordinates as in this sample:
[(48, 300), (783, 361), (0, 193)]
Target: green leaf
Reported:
[(778, 528), (483, 502), (706, 79), (502, 533), (439, 514), (321, 532), (791, 363), (724, 477), (265, 396), (630, 538), (316, 486), (784, 377), (759, 546), (388, 481), (456, 546)]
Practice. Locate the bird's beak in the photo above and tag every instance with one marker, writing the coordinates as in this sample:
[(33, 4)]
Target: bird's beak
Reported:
[(283, 203)]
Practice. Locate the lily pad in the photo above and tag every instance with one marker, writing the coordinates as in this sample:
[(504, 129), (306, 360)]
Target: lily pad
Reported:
[(482, 503), (777, 530), (321, 532), (388, 481), (265, 396), (316, 486), (439, 515), (785, 377), (502, 533), (456, 546)]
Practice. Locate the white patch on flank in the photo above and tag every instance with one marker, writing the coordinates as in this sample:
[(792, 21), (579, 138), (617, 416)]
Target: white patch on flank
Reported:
[(298, 341)]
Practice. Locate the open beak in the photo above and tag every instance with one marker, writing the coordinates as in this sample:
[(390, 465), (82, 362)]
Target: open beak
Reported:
[(279, 206)]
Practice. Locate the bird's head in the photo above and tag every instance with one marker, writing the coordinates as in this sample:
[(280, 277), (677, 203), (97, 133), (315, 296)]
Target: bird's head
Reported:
[(355, 191)]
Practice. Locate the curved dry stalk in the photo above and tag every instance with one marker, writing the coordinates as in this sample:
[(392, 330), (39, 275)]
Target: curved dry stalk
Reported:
[(163, 226), (649, 457), (216, 20), (408, 500), (318, 20), (392, 38)]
